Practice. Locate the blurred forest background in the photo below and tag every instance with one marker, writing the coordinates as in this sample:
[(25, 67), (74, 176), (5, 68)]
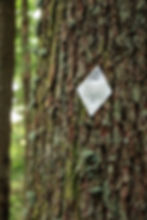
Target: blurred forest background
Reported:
[(18, 137), (64, 164)]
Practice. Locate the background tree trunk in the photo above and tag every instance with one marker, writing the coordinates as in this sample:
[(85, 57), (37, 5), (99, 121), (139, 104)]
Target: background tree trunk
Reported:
[(26, 51), (6, 73), (26, 65), (84, 168)]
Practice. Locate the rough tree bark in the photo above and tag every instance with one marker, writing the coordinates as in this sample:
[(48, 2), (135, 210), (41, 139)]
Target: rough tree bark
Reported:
[(6, 73), (84, 168)]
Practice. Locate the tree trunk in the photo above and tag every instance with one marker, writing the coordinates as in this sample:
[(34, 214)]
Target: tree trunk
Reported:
[(84, 168), (6, 73), (26, 65), (26, 51)]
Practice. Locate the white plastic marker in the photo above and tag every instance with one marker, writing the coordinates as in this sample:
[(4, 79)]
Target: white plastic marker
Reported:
[(94, 90)]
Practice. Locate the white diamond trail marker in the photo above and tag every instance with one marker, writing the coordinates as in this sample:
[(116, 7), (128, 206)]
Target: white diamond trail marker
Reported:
[(94, 90)]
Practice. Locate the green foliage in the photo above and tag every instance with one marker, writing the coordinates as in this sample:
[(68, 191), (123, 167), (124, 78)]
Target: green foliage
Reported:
[(17, 171)]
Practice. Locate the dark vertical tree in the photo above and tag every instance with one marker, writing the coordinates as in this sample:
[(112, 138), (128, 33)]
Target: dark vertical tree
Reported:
[(6, 74), (26, 64), (26, 50), (84, 168)]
